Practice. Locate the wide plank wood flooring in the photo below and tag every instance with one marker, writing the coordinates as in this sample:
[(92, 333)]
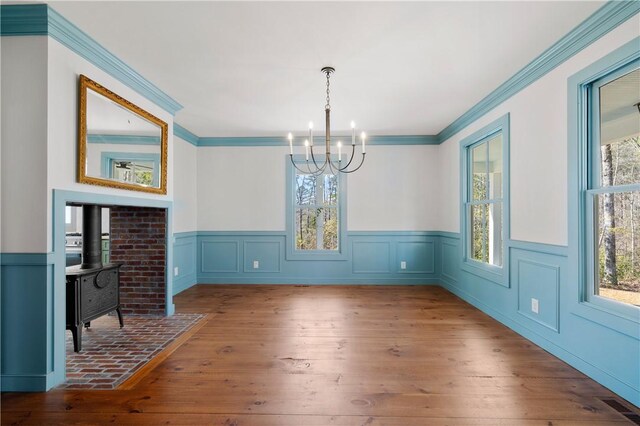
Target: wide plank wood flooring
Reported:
[(337, 355)]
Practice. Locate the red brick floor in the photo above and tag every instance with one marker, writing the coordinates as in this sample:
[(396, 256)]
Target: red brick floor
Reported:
[(110, 355)]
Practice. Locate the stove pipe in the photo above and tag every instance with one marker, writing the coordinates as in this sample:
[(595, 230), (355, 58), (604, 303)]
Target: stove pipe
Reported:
[(91, 237)]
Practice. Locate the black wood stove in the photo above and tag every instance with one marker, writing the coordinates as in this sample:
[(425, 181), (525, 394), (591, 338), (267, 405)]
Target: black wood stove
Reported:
[(93, 289)]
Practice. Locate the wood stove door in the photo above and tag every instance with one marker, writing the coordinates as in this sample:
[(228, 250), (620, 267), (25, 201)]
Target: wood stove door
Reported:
[(99, 293)]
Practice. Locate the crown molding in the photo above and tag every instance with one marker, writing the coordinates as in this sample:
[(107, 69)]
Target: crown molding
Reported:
[(188, 136), (41, 19), (609, 16), (282, 140), (184, 134)]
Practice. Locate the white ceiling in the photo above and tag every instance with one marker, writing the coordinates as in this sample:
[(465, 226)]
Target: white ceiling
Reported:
[(253, 68)]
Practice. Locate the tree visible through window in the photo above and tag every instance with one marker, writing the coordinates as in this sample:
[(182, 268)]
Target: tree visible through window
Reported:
[(615, 187), (316, 212), (485, 200)]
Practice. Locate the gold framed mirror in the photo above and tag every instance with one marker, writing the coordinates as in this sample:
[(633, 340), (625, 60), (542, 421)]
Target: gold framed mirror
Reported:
[(120, 145)]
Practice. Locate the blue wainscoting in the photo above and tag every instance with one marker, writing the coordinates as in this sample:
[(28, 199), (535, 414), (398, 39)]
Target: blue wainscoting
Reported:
[(27, 304), (372, 258), (540, 271), (185, 252)]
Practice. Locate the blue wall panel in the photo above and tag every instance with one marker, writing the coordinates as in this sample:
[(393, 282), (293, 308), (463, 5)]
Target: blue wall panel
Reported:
[(538, 277), (219, 256), (450, 258), (185, 253), (418, 255), (371, 257), (266, 253)]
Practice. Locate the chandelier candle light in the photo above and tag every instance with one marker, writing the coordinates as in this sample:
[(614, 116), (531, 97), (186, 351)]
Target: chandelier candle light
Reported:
[(313, 167)]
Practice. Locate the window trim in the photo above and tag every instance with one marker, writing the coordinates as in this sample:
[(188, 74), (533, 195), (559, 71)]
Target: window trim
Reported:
[(496, 274), (618, 316), (291, 253)]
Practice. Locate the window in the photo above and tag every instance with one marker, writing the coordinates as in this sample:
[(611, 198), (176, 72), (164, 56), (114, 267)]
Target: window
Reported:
[(131, 167), (484, 203), (315, 215), (316, 212), (140, 172), (612, 195)]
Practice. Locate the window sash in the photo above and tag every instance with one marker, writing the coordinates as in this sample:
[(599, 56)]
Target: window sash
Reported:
[(317, 206), (487, 200), (594, 174), (595, 188), (485, 230)]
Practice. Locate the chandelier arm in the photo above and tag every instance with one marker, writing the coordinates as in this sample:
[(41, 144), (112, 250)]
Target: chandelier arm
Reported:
[(353, 151), (359, 165), (308, 171), (334, 170), (314, 160), (317, 172)]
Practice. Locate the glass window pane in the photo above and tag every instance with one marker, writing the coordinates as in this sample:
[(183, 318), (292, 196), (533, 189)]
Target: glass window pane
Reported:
[(330, 190), (144, 177), (305, 190), (306, 229), (495, 167), (479, 172), (494, 234), (330, 228), (479, 233), (620, 131), (617, 241)]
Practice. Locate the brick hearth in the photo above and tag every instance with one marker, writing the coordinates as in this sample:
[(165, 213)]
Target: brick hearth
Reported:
[(111, 354)]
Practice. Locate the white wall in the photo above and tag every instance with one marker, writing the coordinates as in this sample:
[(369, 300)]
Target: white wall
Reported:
[(243, 188), (538, 149), (395, 190), (24, 144), (64, 68), (185, 167)]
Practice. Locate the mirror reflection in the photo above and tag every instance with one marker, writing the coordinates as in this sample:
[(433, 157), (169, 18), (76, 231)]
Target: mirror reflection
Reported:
[(123, 145)]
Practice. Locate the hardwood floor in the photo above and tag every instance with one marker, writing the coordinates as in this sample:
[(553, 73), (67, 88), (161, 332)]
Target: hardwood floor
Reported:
[(337, 355)]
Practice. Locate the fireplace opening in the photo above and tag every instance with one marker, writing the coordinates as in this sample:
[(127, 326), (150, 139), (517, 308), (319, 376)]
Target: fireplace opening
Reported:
[(116, 275), (136, 238)]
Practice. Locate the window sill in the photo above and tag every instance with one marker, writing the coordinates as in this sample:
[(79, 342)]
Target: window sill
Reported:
[(313, 255), (616, 316), (491, 273)]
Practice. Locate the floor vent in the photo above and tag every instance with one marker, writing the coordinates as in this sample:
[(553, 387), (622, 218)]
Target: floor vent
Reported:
[(622, 409)]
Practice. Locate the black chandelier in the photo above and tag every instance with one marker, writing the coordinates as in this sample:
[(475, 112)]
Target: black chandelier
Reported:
[(333, 166)]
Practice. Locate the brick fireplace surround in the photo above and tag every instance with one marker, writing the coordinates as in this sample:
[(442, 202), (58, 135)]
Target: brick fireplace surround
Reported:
[(138, 241)]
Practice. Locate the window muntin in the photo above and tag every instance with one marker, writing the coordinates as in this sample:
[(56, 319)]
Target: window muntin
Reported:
[(613, 193), (484, 200), (316, 212)]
